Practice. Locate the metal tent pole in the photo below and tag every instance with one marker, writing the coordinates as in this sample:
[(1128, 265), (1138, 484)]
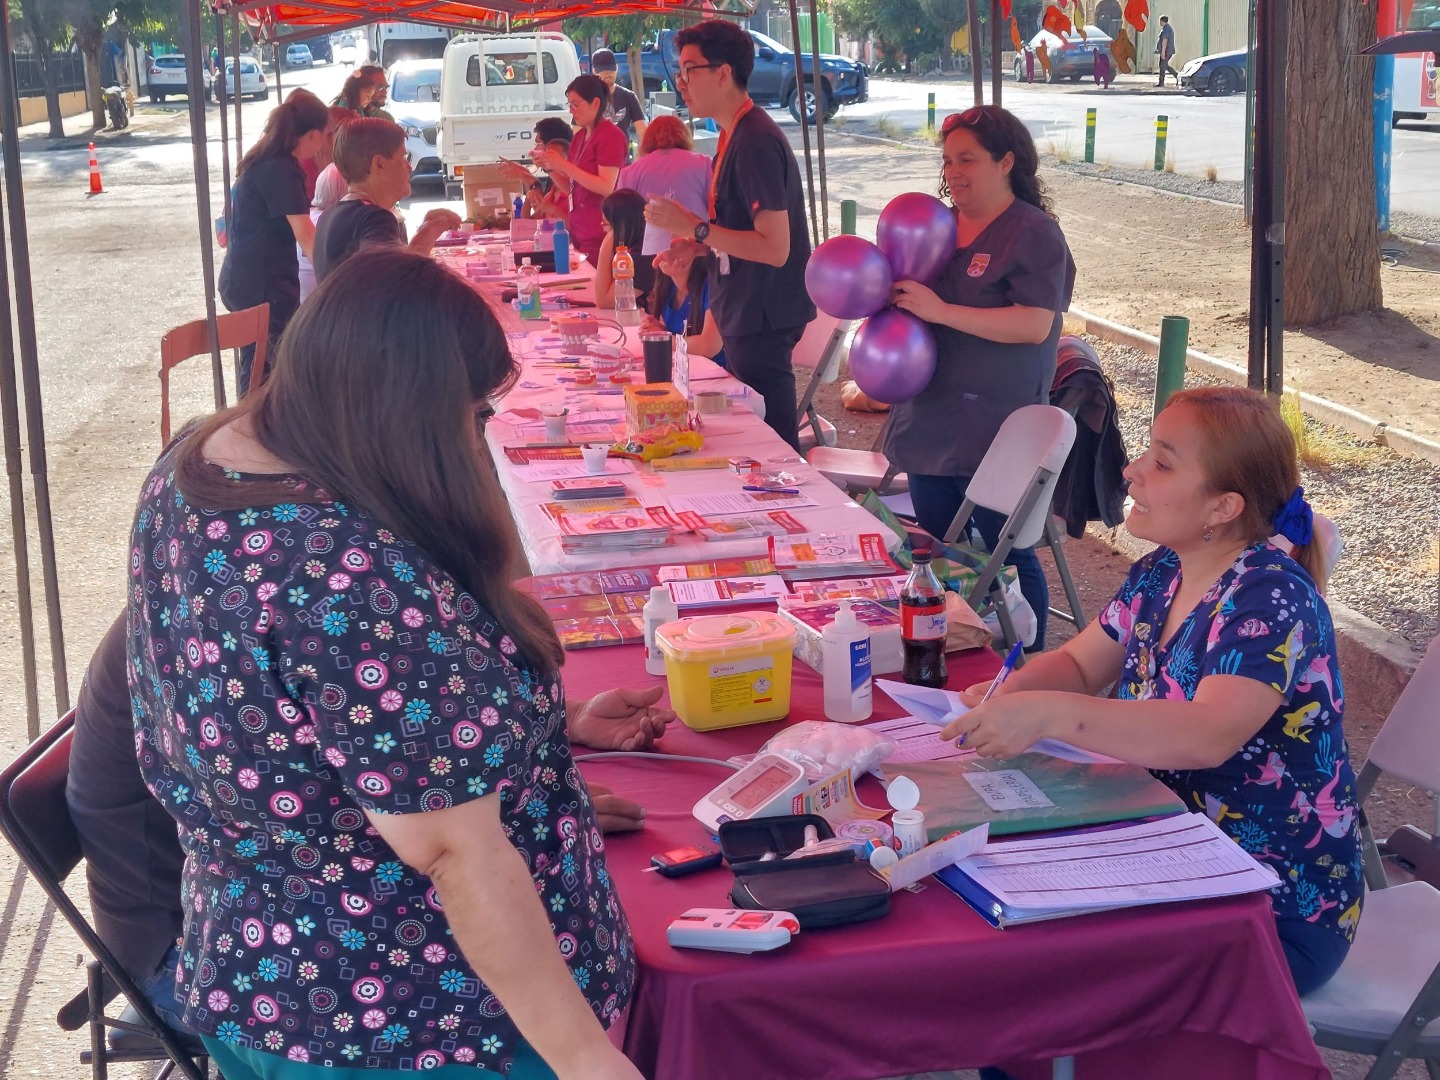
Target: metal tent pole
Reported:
[(279, 90), (996, 73), (191, 13), (224, 121), (30, 368), (804, 123), (1279, 50), (1260, 192), (819, 118), (233, 93)]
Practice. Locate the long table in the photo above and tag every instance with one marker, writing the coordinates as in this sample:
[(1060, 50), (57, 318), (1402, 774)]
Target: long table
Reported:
[(738, 432), (1194, 990)]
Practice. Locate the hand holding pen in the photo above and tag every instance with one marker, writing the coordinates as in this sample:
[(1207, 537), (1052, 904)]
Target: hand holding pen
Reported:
[(1011, 659)]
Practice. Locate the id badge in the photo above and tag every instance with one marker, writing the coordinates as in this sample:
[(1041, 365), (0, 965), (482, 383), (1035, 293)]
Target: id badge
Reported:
[(724, 264)]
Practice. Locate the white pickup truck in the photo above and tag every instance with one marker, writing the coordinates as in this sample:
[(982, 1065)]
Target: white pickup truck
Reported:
[(492, 90)]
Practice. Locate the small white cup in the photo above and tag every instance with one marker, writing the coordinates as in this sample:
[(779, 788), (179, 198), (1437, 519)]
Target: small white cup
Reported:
[(466, 227), (595, 455), (555, 427)]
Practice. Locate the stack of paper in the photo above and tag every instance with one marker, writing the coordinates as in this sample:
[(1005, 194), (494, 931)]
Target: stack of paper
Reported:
[(614, 530), (721, 592), (1186, 857), (821, 555)]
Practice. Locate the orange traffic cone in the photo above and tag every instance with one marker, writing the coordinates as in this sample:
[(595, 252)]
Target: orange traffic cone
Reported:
[(95, 186)]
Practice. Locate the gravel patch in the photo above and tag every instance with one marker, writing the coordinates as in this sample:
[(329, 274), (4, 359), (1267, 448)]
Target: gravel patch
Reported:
[(1386, 506)]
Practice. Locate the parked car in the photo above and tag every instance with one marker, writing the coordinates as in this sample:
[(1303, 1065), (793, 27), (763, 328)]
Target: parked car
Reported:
[(1218, 74), (252, 79), (842, 81), (1071, 57), (347, 50), (168, 75), (415, 104), (320, 49), (297, 55)]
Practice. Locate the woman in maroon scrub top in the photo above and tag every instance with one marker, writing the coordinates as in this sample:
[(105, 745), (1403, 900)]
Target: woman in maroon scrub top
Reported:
[(995, 310), (596, 153)]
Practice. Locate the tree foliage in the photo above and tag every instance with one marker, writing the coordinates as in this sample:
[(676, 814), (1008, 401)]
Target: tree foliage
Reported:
[(900, 29)]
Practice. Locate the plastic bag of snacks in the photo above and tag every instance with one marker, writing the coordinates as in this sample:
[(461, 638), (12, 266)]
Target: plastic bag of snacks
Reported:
[(660, 442)]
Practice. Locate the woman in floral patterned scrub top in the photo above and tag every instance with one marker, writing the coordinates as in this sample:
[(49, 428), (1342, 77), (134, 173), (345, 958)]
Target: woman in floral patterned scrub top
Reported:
[(393, 863), (1223, 652)]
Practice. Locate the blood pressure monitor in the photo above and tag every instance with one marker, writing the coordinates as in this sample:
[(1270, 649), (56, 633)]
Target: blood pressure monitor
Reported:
[(763, 788)]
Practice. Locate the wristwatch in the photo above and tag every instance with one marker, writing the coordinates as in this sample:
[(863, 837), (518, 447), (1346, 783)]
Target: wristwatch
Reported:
[(702, 230)]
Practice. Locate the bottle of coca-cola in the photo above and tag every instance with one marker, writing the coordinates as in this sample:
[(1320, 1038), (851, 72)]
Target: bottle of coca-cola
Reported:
[(922, 624)]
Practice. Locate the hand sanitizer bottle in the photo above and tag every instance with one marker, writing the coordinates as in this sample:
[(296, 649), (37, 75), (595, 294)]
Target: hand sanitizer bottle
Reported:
[(845, 660)]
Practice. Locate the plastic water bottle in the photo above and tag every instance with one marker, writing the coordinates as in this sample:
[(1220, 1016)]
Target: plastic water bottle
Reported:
[(527, 290), (622, 268), (658, 610), (845, 664), (545, 236), (519, 208), (562, 248)]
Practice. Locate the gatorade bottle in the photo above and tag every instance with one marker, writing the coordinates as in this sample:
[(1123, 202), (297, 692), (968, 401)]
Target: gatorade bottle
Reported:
[(623, 269), (922, 624), (562, 248), (527, 289)]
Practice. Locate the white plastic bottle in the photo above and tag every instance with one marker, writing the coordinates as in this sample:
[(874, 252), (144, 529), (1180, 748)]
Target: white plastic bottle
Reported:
[(845, 663), (528, 290), (658, 610)]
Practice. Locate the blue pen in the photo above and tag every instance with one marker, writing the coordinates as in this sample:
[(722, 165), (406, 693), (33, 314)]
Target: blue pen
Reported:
[(1011, 659)]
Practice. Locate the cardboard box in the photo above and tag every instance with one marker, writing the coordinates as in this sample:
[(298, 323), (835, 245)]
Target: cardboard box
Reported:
[(652, 405), (490, 196), (887, 656)]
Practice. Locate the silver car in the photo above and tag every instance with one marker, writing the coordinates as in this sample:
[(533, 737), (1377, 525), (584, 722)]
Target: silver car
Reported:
[(414, 101), (252, 79), (167, 75)]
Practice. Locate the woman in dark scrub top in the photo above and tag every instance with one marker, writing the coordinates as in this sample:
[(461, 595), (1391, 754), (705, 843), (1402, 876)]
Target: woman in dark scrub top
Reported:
[(995, 310)]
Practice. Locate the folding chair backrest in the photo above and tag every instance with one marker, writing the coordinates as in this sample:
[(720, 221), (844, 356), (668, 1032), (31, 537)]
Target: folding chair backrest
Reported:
[(818, 352), (236, 329), (1032, 438), (33, 814), (1408, 745)]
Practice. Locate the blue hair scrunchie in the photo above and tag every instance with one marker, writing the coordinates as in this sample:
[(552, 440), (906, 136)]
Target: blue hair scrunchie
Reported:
[(1294, 520)]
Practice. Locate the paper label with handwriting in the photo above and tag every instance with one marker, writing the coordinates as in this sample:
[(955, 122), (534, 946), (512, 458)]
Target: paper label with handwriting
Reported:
[(1008, 789)]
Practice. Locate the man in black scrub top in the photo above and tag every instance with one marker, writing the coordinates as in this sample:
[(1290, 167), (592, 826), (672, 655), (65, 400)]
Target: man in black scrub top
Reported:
[(756, 235)]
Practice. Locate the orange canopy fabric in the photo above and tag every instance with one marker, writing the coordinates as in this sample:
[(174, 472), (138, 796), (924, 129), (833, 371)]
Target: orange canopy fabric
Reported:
[(272, 20)]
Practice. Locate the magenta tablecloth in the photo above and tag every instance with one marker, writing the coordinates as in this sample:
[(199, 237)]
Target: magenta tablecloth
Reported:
[(1193, 990)]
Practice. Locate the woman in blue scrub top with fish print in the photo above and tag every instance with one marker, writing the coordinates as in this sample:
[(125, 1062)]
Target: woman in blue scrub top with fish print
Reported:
[(995, 310), (1223, 652)]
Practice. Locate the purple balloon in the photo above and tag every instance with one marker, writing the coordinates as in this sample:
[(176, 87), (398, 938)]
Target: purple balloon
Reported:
[(917, 234), (848, 278), (893, 356)]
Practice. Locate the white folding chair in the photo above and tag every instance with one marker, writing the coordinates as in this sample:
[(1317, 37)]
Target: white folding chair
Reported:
[(819, 350), (1384, 999), (1327, 536), (1017, 478), (858, 470)]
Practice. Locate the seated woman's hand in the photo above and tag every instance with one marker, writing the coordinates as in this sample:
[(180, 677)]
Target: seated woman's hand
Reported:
[(1005, 725), (650, 324), (614, 813), (620, 719)]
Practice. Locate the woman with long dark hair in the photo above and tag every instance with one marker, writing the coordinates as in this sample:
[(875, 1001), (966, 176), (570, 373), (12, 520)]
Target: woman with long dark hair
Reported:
[(270, 215), (623, 214), (995, 309), (679, 299), (359, 723), (597, 152)]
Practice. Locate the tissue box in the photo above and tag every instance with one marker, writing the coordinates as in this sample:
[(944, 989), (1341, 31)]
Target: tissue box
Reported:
[(653, 405), (810, 620)]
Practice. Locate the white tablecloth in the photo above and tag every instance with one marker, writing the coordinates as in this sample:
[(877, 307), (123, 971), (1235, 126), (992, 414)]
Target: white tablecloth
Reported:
[(736, 433)]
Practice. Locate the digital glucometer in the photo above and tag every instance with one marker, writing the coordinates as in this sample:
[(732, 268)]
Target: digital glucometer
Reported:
[(763, 788), (731, 930)]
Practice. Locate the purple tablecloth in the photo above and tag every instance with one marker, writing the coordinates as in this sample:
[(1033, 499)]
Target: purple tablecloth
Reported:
[(1190, 990)]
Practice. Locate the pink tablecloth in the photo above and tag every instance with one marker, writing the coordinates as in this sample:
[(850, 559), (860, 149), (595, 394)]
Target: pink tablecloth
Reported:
[(1195, 990)]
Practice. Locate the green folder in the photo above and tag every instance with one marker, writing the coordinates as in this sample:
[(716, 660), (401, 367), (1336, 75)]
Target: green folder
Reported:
[(1089, 794)]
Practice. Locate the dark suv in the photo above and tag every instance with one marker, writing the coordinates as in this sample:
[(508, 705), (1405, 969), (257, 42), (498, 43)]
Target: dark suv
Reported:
[(320, 49)]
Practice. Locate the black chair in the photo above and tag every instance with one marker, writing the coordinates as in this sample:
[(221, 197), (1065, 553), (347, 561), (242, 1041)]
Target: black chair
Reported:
[(36, 821)]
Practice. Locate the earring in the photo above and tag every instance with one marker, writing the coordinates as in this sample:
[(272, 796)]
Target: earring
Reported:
[(1209, 534)]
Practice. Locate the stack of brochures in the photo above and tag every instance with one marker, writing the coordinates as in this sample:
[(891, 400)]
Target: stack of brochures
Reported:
[(1185, 857), (593, 609), (726, 592), (614, 530), (588, 487), (820, 555)]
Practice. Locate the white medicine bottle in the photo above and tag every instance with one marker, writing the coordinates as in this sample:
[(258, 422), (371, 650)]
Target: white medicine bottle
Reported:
[(658, 610), (845, 663)]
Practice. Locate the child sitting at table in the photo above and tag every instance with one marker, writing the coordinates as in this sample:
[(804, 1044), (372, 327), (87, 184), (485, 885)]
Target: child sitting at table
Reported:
[(679, 302), (623, 216), (370, 154), (1224, 656)]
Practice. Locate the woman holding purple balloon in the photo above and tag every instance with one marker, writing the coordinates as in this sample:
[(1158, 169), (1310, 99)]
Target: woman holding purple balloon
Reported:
[(993, 302)]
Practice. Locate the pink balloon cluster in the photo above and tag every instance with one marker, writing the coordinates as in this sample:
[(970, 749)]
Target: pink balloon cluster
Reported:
[(893, 355)]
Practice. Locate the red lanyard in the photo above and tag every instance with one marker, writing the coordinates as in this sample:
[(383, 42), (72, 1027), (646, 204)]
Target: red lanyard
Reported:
[(721, 145)]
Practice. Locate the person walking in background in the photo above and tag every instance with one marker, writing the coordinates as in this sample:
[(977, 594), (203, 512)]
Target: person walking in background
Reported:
[(624, 109), (270, 215), (756, 225), (1165, 50)]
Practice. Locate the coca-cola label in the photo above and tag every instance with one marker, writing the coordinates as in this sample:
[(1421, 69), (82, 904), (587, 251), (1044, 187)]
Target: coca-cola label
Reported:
[(922, 623)]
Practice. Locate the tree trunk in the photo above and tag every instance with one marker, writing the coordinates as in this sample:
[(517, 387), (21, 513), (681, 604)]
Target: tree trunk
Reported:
[(1332, 241), (40, 40), (92, 89), (637, 79)]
